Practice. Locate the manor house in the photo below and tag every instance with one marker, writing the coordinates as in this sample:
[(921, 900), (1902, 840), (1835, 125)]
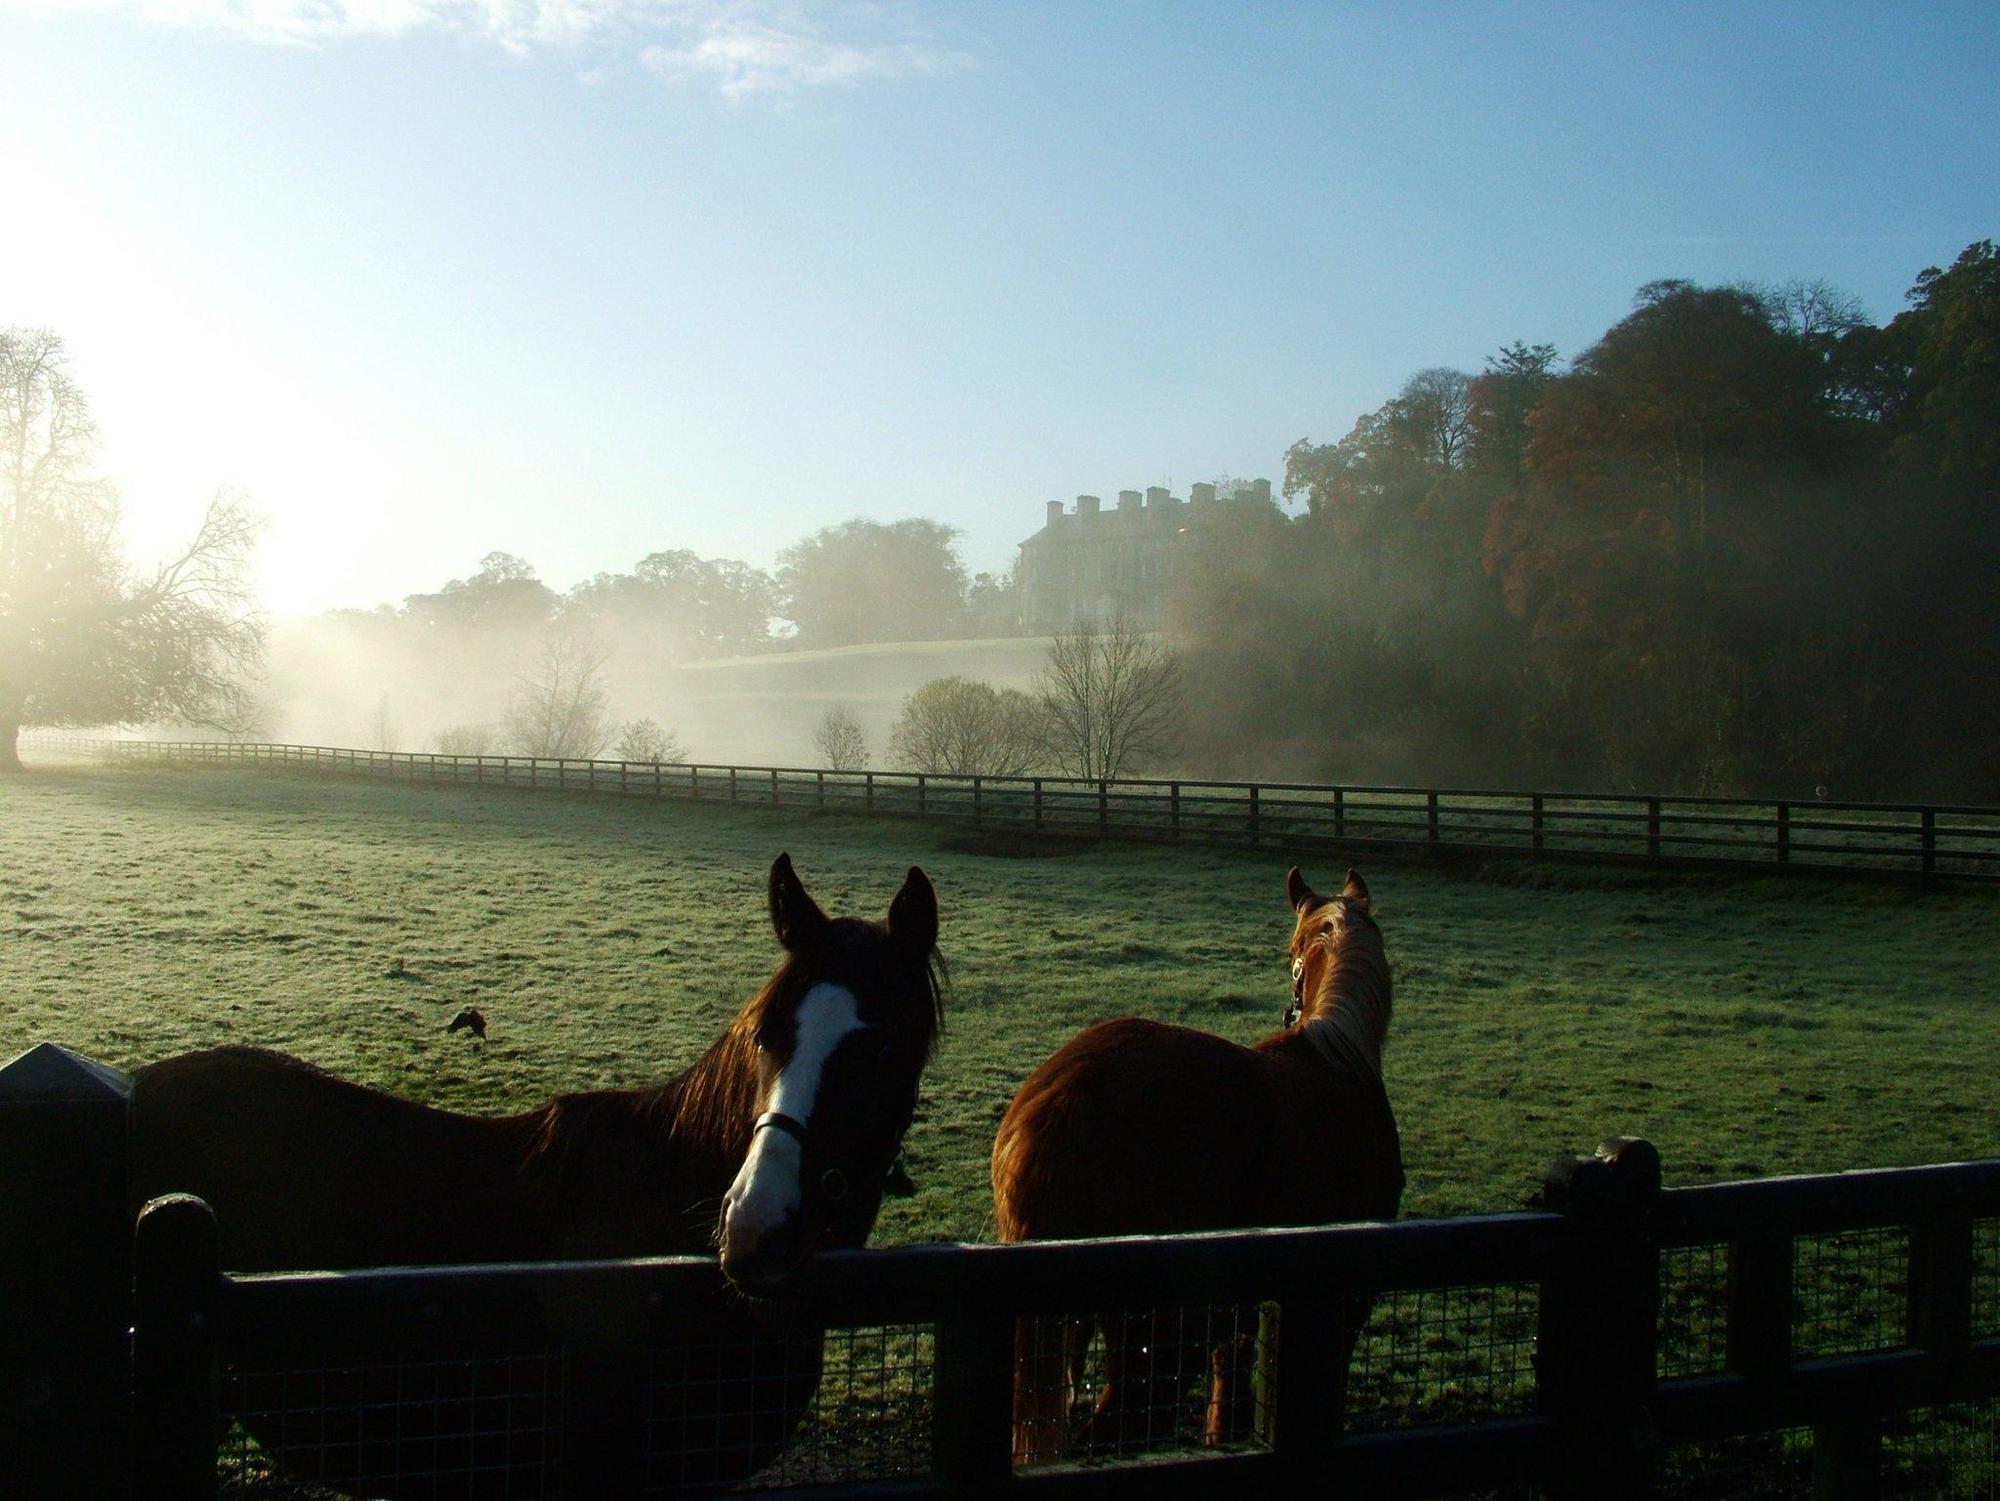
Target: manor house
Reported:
[(1093, 564)]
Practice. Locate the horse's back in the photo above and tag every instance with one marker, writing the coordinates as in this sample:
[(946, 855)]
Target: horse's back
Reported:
[(1133, 1126), (307, 1169)]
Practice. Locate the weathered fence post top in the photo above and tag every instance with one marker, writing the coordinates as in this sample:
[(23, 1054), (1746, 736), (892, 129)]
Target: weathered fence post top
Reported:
[(46, 1073), (65, 1275), (1598, 1331), (1621, 1177)]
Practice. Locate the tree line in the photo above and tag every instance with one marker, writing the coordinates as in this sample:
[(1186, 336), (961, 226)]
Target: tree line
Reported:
[(1745, 543)]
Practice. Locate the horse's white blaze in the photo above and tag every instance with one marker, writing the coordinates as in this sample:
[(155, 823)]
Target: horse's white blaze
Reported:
[(766, 1192)]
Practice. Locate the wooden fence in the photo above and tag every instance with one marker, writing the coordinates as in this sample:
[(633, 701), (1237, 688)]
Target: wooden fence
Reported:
[(1922, 840), (1834, 1336)]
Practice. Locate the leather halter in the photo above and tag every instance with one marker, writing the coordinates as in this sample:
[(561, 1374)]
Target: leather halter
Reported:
[(777, 1120), (1298, 1007)]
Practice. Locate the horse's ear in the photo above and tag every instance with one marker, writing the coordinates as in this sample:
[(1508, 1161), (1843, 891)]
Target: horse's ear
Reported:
[(913, 915), (1356, 889), (796, 916), (1298, 893)]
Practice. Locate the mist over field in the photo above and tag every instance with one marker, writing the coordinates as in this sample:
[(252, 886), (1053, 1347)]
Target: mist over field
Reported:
[(335, 681)]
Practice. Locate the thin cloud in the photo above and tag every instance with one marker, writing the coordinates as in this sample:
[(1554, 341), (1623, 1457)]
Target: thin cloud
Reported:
[(743, 49)]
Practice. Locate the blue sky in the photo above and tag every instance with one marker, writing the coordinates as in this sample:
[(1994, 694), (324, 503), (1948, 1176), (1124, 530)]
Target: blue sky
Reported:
[(582, 279)]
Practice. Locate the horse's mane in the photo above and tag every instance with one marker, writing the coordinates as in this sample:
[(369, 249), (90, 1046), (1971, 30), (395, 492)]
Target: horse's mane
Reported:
[(1357, 971), (709, 1107)]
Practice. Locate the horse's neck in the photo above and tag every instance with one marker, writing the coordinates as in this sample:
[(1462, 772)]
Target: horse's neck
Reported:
[(708, 1111), (1352, 1011)]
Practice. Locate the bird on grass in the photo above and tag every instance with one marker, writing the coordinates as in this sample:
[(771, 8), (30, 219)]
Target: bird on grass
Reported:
[(472, 1020)]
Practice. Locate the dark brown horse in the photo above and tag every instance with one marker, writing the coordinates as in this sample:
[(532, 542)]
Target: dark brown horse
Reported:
[(1139, 1128), (779, 1140)]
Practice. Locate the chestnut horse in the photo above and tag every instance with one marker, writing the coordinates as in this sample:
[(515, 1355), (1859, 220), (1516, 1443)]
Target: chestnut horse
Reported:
[(780, 1139), (1139, 1128)]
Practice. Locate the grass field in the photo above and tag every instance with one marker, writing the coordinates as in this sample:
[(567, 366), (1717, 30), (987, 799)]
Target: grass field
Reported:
[(1746, 1027)]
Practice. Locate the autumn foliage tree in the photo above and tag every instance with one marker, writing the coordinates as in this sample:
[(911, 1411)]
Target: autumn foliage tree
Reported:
[(1745, 543)]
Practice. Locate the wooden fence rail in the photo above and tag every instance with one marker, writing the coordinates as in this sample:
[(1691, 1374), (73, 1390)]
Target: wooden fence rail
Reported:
[(1603, 1413), (1624, 1340), (1910, 839)]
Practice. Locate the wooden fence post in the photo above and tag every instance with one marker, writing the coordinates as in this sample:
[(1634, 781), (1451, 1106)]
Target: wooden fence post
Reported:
[(1431, 809), (1940, 1291), (65, 1276), (975, 800), (1760, 1313), (1535, 821), (1315, 1341), (1653, 827), (1174, 807), (176, 1284), (1596, 1345), (1038, 802), (1256, 816), (1103, 807), (922, 795), (1340, 812), (820, 778), (868, 789), (972, 1443), (1928, 836), (774, 786), (1784, 833)]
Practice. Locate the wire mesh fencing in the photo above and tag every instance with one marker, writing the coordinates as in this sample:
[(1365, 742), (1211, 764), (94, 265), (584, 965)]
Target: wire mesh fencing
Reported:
[(851, 1406), (1850, 1292), (1694, 1311), (1949, 1453), (1772, 1466), (1200, 1378), (1444, 1355), (1985, 1278), (482, 1430)]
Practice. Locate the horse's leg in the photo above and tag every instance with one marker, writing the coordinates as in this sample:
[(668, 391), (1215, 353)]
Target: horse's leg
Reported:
[(1041, 1388), (1143, 1382), (1232, 1396)]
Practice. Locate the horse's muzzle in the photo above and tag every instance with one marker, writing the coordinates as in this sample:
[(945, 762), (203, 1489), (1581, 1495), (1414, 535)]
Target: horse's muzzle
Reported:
[(764, 1268)]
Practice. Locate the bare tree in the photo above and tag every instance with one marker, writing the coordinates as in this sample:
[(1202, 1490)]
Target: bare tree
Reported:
[(466, 740), (84, 639), (383, 732), (644, 740), (838, 739), (560, 708), (1111, 694), (967, 728), (1434, 413)]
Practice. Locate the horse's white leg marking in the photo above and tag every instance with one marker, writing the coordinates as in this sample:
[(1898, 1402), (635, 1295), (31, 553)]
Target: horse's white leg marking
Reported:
[(766, 1192)]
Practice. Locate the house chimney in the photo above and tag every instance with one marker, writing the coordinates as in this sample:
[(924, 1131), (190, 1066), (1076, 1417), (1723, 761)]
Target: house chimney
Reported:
[(1156, 496), (1202, 495), (1261, 490), (1128, 502), (1086, 506), (1055, 512)]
